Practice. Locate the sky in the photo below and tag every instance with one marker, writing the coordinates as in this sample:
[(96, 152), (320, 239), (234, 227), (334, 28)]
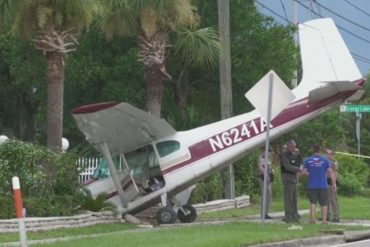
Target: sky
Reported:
[(356, 11)]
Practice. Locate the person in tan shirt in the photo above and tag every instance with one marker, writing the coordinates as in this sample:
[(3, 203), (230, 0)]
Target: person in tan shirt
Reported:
[(270, 177), (333, 207)]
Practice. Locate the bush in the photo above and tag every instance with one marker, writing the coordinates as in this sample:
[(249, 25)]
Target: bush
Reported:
[(48, 180), (207, 190), (353, 175)]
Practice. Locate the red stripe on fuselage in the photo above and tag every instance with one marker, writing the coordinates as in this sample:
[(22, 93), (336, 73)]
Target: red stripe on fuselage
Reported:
[(93, 107), (298, 109)]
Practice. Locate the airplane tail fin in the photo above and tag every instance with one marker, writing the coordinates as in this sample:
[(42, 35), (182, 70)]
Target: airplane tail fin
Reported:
[(325, 57)]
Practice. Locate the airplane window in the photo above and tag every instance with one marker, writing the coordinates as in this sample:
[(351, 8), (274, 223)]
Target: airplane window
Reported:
[(167, 147)]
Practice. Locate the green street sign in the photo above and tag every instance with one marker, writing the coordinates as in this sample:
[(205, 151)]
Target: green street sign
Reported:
[(355, 108)]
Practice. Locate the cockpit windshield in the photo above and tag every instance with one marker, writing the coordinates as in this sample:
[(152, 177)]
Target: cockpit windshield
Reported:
[(102, 170)]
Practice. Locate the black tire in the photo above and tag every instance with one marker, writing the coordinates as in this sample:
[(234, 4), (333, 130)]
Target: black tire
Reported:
[(166, 215), (190, 214)]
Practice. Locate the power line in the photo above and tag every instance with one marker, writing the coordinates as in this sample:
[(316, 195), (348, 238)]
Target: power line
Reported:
[(360, 58), (356, 7), (274, 12), (282, 5), (364, 58), (341, 16), (340, 27), (355, 56)]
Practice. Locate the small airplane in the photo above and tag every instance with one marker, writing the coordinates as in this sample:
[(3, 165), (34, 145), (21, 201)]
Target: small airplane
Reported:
[(149, 162)]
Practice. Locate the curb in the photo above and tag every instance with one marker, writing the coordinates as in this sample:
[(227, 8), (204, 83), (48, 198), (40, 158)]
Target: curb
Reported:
[(315, 241), (352, 236)]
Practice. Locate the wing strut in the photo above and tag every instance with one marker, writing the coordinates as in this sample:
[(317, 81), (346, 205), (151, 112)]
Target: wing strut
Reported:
[(112, 169)]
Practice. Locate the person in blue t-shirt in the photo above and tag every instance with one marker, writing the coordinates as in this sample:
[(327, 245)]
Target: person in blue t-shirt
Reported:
[(317, 167)]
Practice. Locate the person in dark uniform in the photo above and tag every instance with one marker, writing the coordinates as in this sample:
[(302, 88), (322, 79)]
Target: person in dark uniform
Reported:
[(290, 166)]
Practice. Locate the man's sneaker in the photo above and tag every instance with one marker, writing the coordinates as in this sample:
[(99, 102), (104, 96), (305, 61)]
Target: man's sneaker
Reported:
[(335, 220)]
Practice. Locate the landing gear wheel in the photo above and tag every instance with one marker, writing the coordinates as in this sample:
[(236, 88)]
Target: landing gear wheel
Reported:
[(189, 215), (166, 215)]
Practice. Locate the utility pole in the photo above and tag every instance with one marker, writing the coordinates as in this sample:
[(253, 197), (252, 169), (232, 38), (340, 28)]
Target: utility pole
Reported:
[(225, 82), (295, 38), (358, 132)]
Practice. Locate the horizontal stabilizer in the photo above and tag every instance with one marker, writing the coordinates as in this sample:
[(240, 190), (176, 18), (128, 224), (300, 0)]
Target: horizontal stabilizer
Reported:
[(330, 89)]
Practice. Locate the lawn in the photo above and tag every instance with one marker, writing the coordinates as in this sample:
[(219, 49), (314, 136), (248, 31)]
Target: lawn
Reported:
[(101, 228), (351, 208), (228, 234)]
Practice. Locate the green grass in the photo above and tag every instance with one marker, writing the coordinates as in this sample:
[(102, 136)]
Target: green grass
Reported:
[(254, 209), (351, 208), (231, 234), (65, 232)]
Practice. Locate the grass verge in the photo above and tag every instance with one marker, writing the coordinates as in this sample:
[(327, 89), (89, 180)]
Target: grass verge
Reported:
[(230, 234), (67, 232)]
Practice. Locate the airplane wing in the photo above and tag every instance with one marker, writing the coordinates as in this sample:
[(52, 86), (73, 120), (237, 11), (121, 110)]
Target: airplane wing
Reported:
[(331, 88), (121, 126)]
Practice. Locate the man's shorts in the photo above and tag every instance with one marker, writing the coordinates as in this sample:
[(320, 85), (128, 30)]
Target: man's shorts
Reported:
[(320, 195)]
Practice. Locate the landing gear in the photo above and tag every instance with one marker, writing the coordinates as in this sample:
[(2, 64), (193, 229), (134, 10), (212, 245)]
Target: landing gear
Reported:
[(187, 213), (166, 215)]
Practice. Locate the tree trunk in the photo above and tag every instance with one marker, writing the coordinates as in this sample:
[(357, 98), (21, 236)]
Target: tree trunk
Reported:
[(154, 90), (182, 91), (225, 82), (55, 77)]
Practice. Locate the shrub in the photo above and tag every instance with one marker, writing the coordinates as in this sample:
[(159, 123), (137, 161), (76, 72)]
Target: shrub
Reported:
[(48, 180), (353, 175), (207, 190)]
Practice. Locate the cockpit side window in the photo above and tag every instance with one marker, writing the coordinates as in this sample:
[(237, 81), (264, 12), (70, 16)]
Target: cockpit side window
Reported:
[(167, 147), (102, 170)]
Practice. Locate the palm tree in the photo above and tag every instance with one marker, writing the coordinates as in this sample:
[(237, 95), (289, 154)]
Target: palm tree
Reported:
[(53, 26), (197, 49), (152, 22)]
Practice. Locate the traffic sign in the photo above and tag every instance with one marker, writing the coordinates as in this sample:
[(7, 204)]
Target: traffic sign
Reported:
[(355, 108)]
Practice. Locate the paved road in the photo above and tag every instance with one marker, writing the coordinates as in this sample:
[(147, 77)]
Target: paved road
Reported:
[(364, 243)]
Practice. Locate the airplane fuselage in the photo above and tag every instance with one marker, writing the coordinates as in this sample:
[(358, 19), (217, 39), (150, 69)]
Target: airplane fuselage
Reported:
[(214, 146)]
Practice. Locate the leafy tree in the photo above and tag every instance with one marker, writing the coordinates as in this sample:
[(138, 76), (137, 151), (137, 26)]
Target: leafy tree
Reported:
[(152, 22), (52, 26), (22, 83), (110, 73)]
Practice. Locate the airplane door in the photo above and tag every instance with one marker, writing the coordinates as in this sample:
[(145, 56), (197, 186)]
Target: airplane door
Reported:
[(104, 182), (144, 168)]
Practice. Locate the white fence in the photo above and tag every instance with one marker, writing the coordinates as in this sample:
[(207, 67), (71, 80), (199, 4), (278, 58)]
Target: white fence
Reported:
[(88, 166)]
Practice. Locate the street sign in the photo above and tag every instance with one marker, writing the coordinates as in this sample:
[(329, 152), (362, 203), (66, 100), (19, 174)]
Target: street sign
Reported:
[(355, 108)]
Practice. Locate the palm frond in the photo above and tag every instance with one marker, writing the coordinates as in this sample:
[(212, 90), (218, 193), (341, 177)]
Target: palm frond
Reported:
[(199, 48), (8, 9), (118, 18), (98, 204), (41, 15)]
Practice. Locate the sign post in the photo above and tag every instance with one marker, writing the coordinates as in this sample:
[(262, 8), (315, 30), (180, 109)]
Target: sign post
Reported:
[(19, 211), (358, 109), (279, 96)]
